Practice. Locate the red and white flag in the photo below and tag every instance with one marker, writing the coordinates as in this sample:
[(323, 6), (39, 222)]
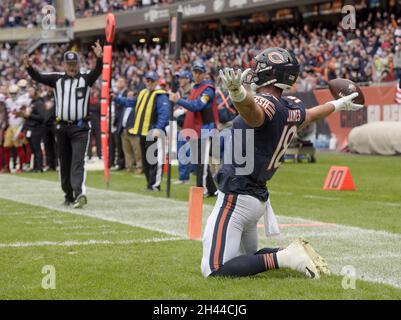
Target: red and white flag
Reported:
[(398, 93)]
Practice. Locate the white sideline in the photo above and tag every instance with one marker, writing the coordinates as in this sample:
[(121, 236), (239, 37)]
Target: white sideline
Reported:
[(82, 243), (374, 254)]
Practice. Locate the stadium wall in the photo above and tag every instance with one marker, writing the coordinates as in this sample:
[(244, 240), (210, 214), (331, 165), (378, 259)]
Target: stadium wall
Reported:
[(157, 16), (380, 106), (16, 34)]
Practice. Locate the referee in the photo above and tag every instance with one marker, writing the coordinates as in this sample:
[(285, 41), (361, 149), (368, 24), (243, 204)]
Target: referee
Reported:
[(71, 90)]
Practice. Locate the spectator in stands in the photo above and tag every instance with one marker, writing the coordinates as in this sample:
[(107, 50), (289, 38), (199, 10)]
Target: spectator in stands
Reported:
[(397, 54), (116, 153), (21, 13), (130, 143), (151, 117), (34, 127), (13, 135), (94, 114), (185, 80), (49, 134), (88, 8), (201, 114), (3, 127)]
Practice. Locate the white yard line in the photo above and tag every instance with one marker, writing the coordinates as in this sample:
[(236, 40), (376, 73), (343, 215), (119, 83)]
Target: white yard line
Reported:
[(387, 204), (280, 193), (310, 196), (341, 245), (82, 243)]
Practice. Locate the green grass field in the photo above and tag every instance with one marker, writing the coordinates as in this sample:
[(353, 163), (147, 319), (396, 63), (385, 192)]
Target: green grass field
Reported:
[(99, 258)]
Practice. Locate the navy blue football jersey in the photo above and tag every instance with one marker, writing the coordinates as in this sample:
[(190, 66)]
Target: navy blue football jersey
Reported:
[(271, 140)]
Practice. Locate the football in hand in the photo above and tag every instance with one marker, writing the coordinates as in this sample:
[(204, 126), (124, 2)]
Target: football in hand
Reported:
[(343, 87)]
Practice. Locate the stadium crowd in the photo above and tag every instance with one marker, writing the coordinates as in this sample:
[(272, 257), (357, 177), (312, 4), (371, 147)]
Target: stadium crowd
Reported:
[(24, 13), (88, 8), (21, 13), (371, 53)]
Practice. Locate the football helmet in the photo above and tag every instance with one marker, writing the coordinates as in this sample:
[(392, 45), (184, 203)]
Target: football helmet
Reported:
[(274, 66), (22, 83), (13, 89)]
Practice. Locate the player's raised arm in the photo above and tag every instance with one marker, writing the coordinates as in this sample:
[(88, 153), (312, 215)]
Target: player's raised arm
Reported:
[(47, 79), (242, 99), (319, 112)]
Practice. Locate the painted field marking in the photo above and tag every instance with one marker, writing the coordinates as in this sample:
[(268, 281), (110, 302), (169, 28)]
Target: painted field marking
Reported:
[(341, 245), (70, 243), (301, 225), (387, 204), (310, 196), (280, 193)]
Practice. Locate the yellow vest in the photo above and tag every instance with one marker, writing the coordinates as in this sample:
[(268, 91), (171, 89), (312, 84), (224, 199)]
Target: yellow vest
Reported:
[(144, 110)]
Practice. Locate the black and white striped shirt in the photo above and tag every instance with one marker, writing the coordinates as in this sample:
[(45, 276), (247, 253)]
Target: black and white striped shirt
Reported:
[(71, 95)]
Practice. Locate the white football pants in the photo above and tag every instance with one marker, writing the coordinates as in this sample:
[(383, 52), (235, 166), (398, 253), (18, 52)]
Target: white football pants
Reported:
[(231, 229)]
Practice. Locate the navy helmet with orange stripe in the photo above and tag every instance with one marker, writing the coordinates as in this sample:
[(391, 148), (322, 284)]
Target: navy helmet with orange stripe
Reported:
[(274, 66)]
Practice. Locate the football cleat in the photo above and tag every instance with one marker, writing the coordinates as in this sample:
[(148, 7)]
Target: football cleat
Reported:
[(301, 257), (320, 263)]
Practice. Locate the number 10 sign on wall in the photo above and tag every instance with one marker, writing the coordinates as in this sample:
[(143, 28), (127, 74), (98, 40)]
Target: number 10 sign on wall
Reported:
[(339, 178)]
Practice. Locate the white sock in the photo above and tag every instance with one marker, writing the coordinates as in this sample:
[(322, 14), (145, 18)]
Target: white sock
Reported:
[(283, 258)]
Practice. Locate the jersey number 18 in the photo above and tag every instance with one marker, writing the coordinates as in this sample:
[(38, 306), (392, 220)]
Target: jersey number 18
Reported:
[(285, 140)]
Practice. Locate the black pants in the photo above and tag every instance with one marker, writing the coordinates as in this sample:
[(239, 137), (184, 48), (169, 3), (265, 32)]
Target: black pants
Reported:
[(153, 170), (95, 132), (203, 174), (34, 136), (116, 153), (49, 139), (72, 146)]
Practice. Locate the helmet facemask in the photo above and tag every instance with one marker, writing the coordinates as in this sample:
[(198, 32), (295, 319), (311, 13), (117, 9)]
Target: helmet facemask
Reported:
[(268, 72), (260, 76)]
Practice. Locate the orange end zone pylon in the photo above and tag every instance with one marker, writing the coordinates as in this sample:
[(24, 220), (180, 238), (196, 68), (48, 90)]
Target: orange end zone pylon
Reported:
[(339, 178), (195, 213)]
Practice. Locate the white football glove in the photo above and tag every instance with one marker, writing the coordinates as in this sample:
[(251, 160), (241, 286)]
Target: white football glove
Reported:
[(178, 112), (345, 103), (233, 82)]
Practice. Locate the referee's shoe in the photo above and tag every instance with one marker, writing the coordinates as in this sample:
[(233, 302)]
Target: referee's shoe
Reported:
[(80, 202)]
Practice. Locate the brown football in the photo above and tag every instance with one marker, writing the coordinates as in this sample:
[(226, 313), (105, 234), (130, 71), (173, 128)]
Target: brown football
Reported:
[(343, 87)]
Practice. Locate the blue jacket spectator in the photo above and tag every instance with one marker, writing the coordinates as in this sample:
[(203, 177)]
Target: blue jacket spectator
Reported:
[(161, 111)]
